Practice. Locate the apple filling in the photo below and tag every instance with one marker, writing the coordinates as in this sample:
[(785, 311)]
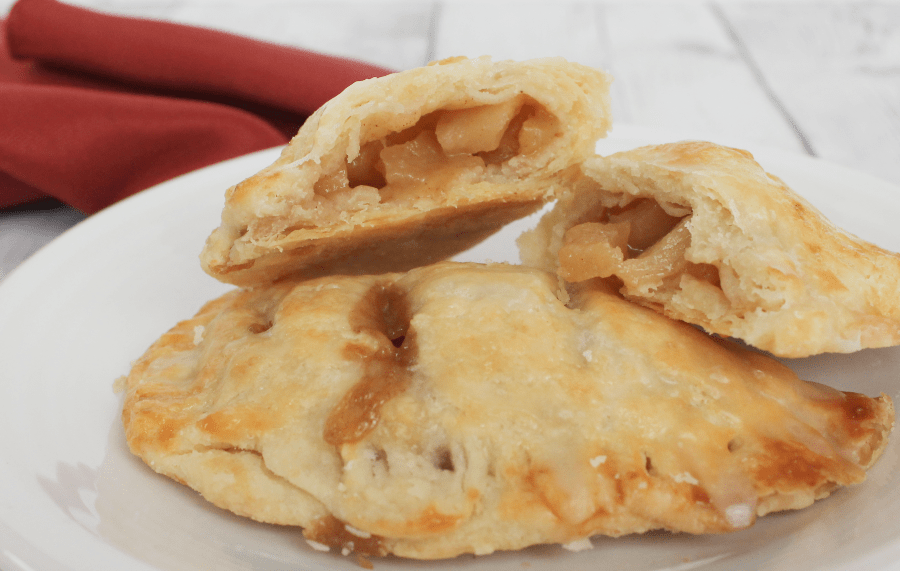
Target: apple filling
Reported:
[(445, 147), (640, 244)]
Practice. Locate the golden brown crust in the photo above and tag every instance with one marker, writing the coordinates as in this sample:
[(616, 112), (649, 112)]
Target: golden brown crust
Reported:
[(381, 176), (464, 408), (761, 263)]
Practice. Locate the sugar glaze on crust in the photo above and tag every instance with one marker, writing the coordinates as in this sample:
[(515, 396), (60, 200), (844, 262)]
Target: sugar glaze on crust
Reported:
[(411, 168), (462, 408), (701, 233)]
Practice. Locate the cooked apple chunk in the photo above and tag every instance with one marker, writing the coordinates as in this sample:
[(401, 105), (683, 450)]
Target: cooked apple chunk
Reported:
[(703, 234), (411, 168)]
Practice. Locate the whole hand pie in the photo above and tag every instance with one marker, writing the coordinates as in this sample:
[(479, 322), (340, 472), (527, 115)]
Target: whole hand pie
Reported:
[(460, 408), (702, 233), (411, 168)]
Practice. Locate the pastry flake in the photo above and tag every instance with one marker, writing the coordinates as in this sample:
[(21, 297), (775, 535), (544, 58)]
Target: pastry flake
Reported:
[(703, 234), (461, 408), (411, 168)]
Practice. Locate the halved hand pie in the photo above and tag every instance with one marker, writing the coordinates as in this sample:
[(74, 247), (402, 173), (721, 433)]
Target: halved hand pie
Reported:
[(411, 168), (463, 408), (702, 233)]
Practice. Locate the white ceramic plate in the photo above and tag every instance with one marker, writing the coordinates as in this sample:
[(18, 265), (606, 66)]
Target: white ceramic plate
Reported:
[(74, 316)]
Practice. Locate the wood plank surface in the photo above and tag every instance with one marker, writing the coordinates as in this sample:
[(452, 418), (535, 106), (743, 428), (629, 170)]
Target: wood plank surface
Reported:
[(835, 67), (392, 34), (678, 69)]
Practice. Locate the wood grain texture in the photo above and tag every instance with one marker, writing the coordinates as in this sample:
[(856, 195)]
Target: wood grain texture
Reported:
[(392, 34), (836, 69), (680, 70)]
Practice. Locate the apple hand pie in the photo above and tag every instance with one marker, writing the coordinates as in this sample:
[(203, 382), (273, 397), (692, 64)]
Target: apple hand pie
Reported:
[(411, 168), (702, 233), (461, 408)]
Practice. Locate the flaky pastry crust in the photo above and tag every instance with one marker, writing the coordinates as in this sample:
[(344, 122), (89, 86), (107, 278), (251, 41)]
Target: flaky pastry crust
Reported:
[(411, 168), (461, 408), (724, 245)]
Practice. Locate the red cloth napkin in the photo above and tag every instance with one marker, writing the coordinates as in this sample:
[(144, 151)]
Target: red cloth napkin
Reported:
[(95, 107)]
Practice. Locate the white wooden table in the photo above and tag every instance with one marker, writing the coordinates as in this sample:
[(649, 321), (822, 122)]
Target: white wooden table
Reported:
[(820, 78)]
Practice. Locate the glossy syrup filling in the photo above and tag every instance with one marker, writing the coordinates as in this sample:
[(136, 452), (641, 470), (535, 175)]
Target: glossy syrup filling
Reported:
[(383, 313), (640, 244), (442, 147)]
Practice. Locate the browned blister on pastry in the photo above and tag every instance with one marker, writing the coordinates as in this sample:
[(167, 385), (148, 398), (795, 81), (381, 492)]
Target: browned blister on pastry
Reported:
[(461, 408), (411, 168), (702, 233)]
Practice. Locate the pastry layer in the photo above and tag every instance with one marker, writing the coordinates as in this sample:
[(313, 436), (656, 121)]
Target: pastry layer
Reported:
[(703, 234), (411, 168), (461, 408)]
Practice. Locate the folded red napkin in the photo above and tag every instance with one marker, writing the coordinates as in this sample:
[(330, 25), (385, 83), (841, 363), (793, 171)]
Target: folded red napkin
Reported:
[(95, 107)]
